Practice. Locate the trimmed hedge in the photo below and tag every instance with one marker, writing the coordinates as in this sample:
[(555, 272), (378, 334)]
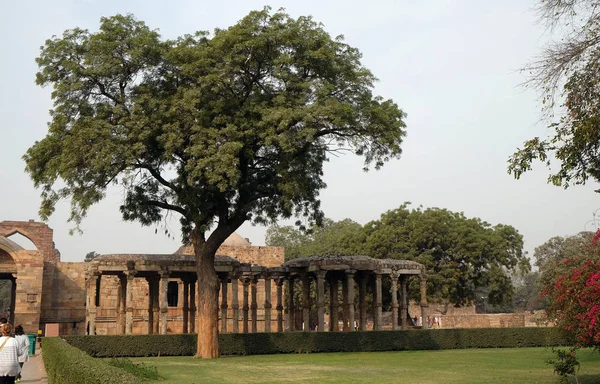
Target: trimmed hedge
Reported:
[(308, 342), (66, 364)]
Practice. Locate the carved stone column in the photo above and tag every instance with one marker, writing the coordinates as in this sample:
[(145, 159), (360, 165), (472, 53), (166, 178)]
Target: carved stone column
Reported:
[(164, 304), (321, 301), (345, 326), (152, 300), (245, 307), (254, 304), (424, 305), (129, 303), (193, 308), (350, 298), (235, 304), (394, 292), (279, 307), (291, 309), (267, 303), (186, 305), (378, 303), (362, 301), (306, 302), (334, 304), (224, 282), (403, 302), (121, 305), (91, 302)]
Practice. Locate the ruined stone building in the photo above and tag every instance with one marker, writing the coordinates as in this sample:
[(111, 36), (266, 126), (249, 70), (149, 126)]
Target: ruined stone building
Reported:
[(156, 294)]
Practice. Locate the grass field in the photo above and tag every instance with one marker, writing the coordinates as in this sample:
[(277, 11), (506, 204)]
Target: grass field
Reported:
[(522, 365)]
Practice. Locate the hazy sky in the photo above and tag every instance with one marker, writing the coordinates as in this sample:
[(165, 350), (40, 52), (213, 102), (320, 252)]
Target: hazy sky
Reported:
[(453, 66)]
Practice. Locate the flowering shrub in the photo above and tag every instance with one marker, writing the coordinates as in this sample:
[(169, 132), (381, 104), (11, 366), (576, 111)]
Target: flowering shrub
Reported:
[(575, 302)]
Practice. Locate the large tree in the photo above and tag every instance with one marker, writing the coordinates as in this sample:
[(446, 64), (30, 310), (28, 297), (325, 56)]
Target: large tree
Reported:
[(567, 75), (218, 128), (460, 254), (330, 238)]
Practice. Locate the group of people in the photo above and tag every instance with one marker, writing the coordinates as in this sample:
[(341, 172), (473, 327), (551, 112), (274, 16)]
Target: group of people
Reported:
[(433, 322), (14, 352)]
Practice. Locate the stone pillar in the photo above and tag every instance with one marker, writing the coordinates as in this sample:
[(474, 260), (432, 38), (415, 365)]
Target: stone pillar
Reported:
[(344, 306), (129, 303), (291, 309), (267, 304), (321, 301), (254, 304), (192, 327), (122, 305), (306, 302), (91, 303), (377, 304), (151, 294), (224, 304), (164, 304), (334, 304), (186, 305), (394, 292), (423, 291), (362, 301), (403, 302), (234, 304), (245, 307), (279, 308), (350, 298)]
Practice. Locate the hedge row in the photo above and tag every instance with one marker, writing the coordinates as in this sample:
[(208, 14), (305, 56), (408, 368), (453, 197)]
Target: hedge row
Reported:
[(307, 342), (66, 364)]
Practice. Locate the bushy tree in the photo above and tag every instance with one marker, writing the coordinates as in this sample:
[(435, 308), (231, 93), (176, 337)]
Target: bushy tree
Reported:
[(218, 128), (330, 238), (460, 254)]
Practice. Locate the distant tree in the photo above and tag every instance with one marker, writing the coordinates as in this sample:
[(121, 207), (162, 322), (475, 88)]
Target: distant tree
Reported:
[(573, 60), (333, 238), (219, 129), (460, 254), (90, 256), (559, 255)]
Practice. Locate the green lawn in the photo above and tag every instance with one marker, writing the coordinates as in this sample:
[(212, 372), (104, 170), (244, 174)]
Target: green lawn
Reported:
[(522, 365)]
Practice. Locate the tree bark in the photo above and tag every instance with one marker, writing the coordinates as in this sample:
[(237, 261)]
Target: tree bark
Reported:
[(208, 300)]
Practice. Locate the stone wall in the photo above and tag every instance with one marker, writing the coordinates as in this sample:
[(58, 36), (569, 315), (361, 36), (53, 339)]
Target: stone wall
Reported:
[(63, 299)]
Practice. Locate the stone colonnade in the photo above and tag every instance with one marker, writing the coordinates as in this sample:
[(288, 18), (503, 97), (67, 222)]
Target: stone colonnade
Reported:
[(354, 273)]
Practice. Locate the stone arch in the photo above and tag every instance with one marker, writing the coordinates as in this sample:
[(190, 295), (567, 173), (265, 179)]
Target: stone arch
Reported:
[(38, 233), (15, 237)]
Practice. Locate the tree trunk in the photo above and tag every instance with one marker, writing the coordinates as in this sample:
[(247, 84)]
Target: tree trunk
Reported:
[(208, 299)]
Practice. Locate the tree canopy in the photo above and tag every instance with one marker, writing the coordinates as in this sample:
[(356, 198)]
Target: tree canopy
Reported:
[(568, 68), (461, 254), (218, 128)]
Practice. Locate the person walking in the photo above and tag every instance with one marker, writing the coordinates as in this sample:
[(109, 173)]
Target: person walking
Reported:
[(9, 356), (23, 347)]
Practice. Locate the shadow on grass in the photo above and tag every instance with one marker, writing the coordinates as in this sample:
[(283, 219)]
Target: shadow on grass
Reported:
[(586, 379)]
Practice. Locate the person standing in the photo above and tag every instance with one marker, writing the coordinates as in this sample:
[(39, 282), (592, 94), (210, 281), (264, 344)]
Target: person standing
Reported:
[(9, 356), (23, 347)]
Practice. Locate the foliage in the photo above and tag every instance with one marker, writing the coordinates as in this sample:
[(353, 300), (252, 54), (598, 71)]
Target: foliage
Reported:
[(575, 302), (303, 342), (66, 364), (333, 238), (460, 254), (216, 128), (571, 59), (552, 256), (91, 256), (141, 370), (566, 363)]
